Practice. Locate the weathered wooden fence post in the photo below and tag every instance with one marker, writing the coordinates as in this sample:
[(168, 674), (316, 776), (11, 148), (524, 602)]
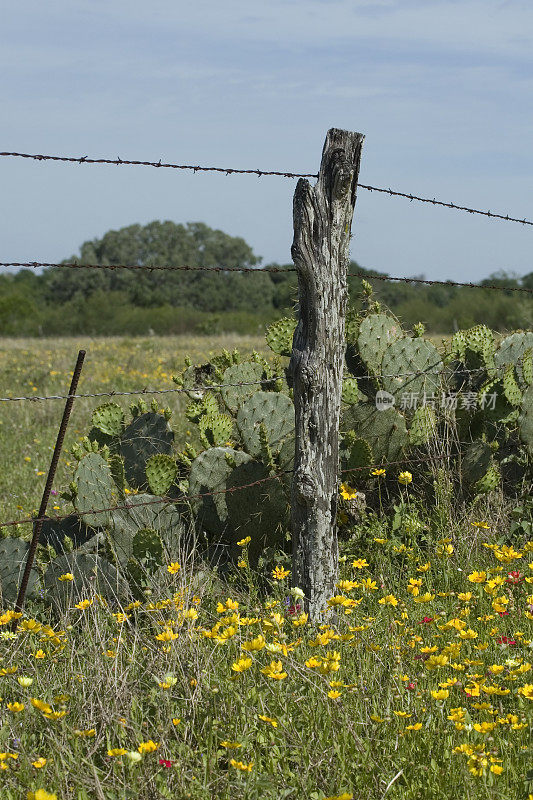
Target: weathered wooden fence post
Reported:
[(322, 221)]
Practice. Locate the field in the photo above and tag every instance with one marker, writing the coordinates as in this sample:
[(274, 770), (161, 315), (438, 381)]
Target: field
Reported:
[(418, 686), (44, 366)]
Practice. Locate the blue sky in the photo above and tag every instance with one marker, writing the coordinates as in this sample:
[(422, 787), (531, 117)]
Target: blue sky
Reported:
[(441, 89)]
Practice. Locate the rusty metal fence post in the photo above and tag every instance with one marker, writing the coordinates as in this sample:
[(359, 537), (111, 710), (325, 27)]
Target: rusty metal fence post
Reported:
[(48, 485)]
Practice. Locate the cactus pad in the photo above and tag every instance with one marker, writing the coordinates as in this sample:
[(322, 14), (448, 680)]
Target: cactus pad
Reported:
[(145, 511), (95, 489), (88, 570), (215, 429), (513, 350), (279, 336), (376, 333), (109, 419), (476, 461), (247, 372), (385, 431), (350, 391), (525, 421), (161, 471), (53, 532), (147, 435), (409, 355), (13, 555), (210, 472), (423, 426), (275, 410)]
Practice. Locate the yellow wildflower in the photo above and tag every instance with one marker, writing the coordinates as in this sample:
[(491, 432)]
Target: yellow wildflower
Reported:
[(405, 478), (274, 670), (173, 567), (148, 747), (241, 766), (279, 573), (273, 722), (347, 493), (241, 665)]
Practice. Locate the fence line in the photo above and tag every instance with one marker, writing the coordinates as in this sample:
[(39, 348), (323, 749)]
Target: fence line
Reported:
[(186, 498), (259, 172), (141, 391), (214, 387), (255, 271)]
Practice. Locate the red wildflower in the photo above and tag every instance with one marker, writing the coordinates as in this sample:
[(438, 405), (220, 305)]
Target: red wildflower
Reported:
[(411, 687), (425, 620), (514, 577), (294, 609), (505, 640), (164, 763)]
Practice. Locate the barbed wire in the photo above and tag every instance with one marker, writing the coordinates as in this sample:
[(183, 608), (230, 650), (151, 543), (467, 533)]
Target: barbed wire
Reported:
[(216, 386), (259, 172), (141, 391), (187, 498), (255, 271)]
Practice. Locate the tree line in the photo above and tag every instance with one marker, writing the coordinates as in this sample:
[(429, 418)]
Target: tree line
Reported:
[(62, 301)]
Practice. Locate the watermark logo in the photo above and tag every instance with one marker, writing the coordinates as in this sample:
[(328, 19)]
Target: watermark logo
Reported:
[(450, 402), (384, 400)]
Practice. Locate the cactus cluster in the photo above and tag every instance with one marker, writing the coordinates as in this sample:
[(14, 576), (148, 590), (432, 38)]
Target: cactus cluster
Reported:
[(243, 413), (401, 393)]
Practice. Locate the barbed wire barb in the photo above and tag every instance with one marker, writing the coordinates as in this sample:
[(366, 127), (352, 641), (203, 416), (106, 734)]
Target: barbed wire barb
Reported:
[(259, 172), (255, 271)]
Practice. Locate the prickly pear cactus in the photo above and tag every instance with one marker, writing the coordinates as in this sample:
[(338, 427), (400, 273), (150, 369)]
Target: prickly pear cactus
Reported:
[(215, 429), (355, 455), (109, 419), (54, 532), (260, 511), (423, 426), (275, 411), (210, 472), (490, 480), (350, 391), (525, 421), (406, 356), (510, 386), (385, 431), (476, 462), (376, 333), (248, 372), (145, 512), (13, 555), (88, 570), (161, 471), (279, 336), (194, 378), (147, 435), (198, 408), (512, 350), (95, 490)]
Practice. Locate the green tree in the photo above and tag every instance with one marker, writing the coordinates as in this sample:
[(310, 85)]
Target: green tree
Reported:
[(157, 244)]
